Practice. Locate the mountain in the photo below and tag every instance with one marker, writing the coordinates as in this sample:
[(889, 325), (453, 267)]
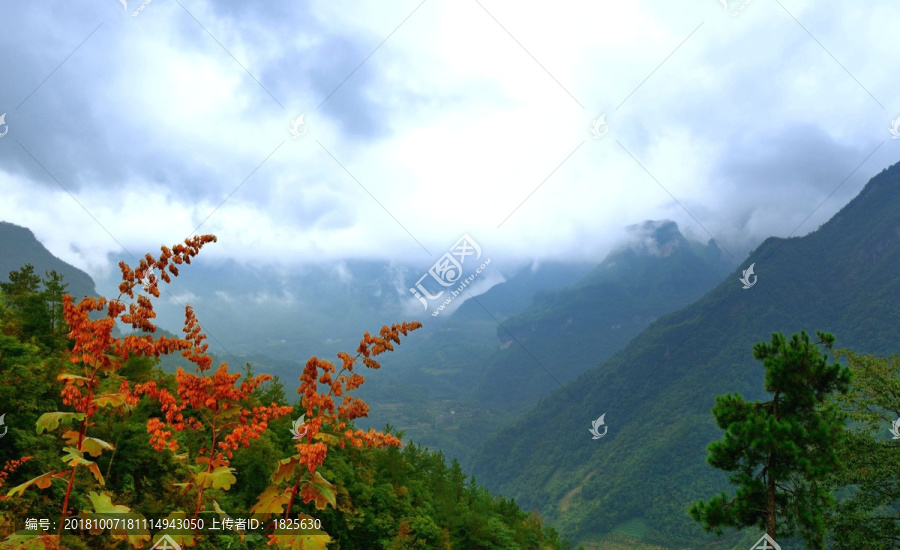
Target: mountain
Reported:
[(18, 246), (566, 332), (469, 377), (657, 392)]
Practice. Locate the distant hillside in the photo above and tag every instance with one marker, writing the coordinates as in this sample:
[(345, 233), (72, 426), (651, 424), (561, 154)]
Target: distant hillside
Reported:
[(467, 378), (658, 391), (569, 331), (18, 246)]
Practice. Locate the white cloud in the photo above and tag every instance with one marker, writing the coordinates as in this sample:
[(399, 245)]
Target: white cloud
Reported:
[(742, 131)]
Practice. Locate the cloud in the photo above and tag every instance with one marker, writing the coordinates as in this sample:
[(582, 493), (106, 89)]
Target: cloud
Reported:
[(134, 132)]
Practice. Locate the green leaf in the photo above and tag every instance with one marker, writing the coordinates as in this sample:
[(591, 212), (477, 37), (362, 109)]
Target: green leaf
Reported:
[(74, 457), (81, 380), (102, 503), (95, 446), (110, 399), (322, 490), (328, 438), (286, 469), (50, 421), (271, 501), (220, 478), (42, 481)]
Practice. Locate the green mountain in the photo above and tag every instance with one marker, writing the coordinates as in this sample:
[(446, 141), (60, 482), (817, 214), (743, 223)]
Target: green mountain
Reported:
[(655, 271), (566, 332), (656, 393), (18, 246)]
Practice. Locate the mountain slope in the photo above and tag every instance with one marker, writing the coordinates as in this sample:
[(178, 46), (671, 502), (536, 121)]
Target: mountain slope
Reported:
[(569, 331), (18, 246), (658, 391), (654, 272)]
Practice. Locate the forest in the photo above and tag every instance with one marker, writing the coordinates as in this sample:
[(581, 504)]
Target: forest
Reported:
[(104, 449)]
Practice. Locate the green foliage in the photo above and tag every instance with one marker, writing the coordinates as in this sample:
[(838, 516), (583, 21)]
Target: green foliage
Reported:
[(377, 498), (410, 498), (656, 392), (34, 307), (868, 512), (779, 452)]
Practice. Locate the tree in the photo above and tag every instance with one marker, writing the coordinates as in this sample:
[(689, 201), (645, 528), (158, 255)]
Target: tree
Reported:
[(36, 313), (779, 452), (867, 516)]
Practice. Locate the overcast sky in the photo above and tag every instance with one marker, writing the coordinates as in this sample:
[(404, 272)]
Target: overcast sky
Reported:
[(427, 120)]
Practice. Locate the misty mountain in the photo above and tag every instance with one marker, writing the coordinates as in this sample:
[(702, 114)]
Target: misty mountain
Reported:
[(481, 368), (566, 332), (657, 392)]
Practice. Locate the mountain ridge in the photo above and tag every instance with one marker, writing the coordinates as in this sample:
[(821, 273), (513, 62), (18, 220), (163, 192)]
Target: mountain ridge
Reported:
[(675, 368), (19, 246)]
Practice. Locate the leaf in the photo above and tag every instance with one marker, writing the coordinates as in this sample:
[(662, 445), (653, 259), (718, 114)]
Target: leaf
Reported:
[(96, 471), (74, 458), (327, 438), (110, 399), (42, 481), (271, 501), (50, 421), (286, 469), (321, 491), (102, 503), (71, 437), (95, 446), (220, 478), (80, 380)]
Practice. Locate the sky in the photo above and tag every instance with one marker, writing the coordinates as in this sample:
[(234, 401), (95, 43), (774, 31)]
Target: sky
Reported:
[(539, 130)]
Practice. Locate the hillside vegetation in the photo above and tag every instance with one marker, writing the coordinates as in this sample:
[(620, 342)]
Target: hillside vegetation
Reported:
[(97, 430), (658, 391)]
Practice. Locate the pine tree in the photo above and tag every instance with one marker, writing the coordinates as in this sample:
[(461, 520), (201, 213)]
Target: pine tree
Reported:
[(779, 452)]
